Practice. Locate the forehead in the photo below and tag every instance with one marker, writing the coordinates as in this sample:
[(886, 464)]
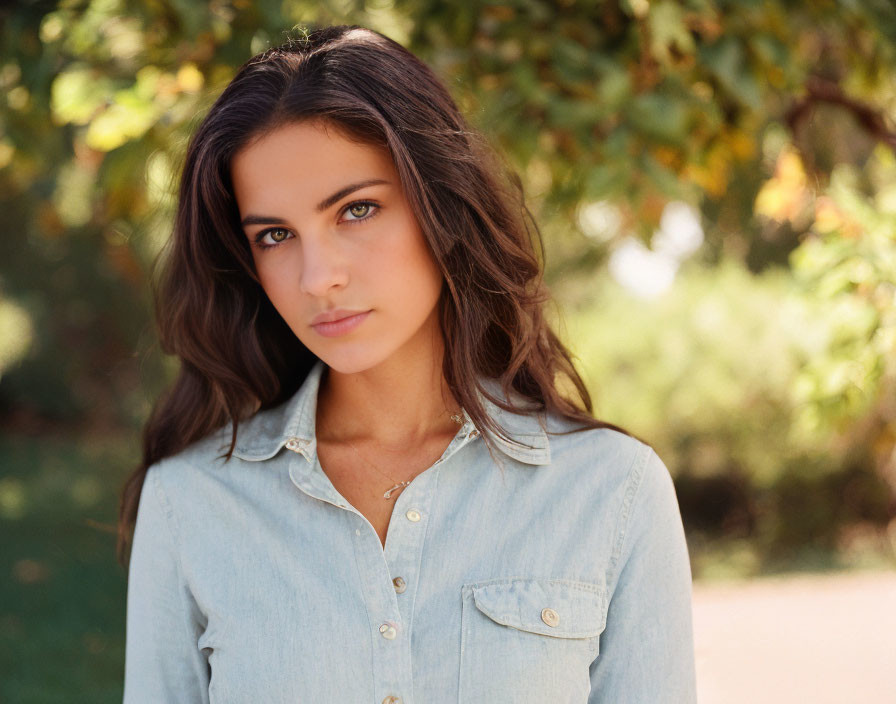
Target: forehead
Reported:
[(304, 159)]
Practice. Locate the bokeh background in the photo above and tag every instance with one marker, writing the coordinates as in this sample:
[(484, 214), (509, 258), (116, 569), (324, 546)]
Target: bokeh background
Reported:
[(716, 186)]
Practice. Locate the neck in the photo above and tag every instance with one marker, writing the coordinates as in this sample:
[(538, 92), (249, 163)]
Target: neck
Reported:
[(400, 403)]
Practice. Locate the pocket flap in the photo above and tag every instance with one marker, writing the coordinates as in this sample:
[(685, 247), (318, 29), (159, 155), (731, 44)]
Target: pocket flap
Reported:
[(552, 607)]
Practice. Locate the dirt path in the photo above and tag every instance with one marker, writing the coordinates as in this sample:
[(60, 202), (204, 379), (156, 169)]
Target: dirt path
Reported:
[(814, 639), (819, 639)]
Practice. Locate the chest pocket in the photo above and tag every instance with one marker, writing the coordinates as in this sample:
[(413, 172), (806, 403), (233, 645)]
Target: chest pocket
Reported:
[(530, 639)]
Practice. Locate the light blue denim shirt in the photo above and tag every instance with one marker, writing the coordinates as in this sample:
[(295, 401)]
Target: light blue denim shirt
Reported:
[(563, 577)]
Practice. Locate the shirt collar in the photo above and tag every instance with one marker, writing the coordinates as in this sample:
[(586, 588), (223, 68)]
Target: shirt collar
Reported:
[(292, 424)]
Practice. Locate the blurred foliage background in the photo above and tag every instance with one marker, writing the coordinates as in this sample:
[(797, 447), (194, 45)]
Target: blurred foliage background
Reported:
[(716, 185)]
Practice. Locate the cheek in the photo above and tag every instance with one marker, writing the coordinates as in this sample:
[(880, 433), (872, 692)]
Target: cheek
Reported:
[(279, 281), (411, 273)]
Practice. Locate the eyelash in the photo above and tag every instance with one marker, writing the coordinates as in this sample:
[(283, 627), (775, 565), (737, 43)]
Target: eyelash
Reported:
[(376, 206)]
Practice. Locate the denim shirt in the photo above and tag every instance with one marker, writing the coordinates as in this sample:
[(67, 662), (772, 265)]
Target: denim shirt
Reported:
[(556, 572)]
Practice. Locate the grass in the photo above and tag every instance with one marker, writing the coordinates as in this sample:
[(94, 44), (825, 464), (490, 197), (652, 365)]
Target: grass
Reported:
[(63, 595)]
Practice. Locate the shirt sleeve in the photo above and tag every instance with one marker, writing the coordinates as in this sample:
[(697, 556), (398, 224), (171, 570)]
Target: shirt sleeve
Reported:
[(647, 648), (163, 662)]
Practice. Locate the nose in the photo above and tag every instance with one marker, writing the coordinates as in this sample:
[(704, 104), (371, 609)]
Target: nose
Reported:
[(323, 266)]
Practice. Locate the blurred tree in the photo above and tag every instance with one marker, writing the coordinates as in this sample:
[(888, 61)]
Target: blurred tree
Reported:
[(756, 113)]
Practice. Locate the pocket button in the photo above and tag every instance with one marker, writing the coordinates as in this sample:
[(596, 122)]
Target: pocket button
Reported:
[(550, 617)]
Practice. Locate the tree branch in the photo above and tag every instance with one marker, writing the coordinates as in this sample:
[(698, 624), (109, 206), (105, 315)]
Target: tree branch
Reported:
[(820, 90)]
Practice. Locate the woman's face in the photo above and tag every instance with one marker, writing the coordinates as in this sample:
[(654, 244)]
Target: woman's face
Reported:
[(332, 235)]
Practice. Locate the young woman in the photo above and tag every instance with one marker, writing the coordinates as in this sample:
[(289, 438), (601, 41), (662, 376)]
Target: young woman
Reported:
[(366, 483)]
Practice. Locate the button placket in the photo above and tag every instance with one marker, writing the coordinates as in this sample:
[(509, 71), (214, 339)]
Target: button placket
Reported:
[(400, 558)]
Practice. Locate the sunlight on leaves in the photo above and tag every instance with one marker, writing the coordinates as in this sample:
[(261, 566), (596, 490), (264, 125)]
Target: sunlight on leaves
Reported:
[(12, 498), (16, 334)]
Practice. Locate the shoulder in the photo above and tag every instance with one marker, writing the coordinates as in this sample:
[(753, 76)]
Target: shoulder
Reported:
[(605, 449), (199, 491), (191, 467), (614, 463)]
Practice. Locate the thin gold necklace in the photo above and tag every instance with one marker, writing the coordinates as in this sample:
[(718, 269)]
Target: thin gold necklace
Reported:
[(456, 417)]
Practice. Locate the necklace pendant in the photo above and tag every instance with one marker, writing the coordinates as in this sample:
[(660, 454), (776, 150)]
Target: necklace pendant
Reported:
[(388, 494)]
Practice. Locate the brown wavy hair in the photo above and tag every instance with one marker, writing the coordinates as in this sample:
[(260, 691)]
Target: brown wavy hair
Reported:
[(238, 356)]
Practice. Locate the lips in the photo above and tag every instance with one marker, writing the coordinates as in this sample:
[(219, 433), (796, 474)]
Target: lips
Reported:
[(331, 316), (338, 322)]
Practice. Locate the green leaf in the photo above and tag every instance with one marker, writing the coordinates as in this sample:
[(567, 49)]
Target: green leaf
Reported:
[(725, 60), (77, 93), (667, 30)]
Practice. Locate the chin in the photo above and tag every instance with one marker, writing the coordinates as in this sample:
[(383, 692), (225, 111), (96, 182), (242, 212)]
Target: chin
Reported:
[(351, 359)]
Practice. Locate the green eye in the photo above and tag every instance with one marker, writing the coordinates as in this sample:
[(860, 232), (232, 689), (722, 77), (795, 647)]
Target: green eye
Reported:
[(272, 237), (360, 211)]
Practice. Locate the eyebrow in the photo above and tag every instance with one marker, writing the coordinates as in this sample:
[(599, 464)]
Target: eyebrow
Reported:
[(322, 206)]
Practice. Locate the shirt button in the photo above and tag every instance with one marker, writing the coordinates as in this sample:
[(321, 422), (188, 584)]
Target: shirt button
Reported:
[(400, 584), (392, 700), (388, 631), (550, 617), (295, 444), (413, 515), (473, 434)]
